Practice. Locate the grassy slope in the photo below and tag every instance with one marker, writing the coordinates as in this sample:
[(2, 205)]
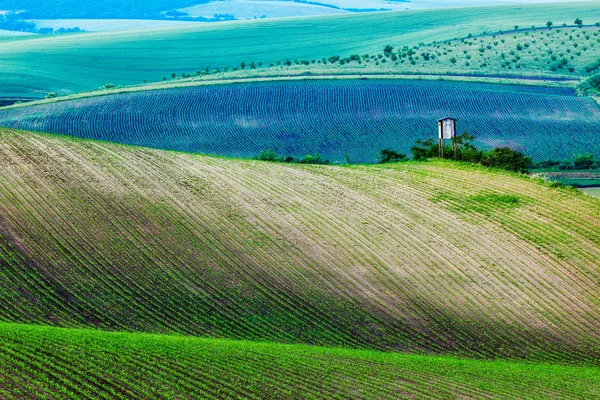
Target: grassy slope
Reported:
[(81, 62), (48, 363), (522, 54), (419, 257), (595, 192)]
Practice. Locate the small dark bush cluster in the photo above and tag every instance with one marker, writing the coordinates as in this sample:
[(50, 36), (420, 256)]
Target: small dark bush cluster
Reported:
[(272, 156), (504, 158), (590, 86), (578, 163), (388, 155)]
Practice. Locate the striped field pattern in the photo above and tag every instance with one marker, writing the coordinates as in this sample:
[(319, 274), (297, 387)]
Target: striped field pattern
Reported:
[(435, 257), (348, 119), (53, 363)]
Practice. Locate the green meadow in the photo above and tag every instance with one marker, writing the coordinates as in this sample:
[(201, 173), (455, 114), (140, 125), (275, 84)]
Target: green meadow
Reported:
[(33, 67), (53, 363)]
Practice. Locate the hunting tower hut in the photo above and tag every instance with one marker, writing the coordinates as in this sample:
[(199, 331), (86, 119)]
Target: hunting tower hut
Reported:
[(446, 130)]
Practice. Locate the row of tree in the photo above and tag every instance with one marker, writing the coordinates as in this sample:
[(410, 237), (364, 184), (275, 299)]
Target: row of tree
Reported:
[(504, 157), (272, 156), (580, 162)]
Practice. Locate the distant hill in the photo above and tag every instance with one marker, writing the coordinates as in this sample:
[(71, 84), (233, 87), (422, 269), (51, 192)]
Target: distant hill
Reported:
[(238, 9), (431, 257), (72, 63), (69, 9)]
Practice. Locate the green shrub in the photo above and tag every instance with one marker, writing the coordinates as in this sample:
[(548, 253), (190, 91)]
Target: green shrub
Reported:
[(268, 155), (388, 155), (506, 158), (585, 161), (312, 159)]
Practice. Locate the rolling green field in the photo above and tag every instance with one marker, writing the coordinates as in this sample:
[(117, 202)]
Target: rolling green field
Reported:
[(434, 257), (52, 363), (33, 67), (140, 260), (556, 53), (342, 120)]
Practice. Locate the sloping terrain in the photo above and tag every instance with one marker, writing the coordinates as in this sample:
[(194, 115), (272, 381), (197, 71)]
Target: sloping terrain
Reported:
[(347, 119), (52, 363), (418, 257), (71, 63)]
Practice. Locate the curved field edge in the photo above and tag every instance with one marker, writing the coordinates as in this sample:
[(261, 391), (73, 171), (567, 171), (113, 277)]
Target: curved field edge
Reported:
[(52, 363), (342, 120), (295, 76), (82, 62), (418, 257)]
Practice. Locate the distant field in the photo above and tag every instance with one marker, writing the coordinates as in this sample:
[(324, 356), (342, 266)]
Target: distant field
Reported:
[(67, 64), (252, 9), (353, 118), (428, 4), (68, 363), (432, 257), (595, 192), (99, 25), (575, 178), (13, 33), (557, 53)]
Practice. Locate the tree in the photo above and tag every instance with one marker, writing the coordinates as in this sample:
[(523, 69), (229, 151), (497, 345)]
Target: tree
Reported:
[(424, 149), (388, 50), (549, 24), (579, 22), (585, 161), (313, 159), (268, 155), (252, 65), (508, 159), (516, 27), (388, 155), (243, 64), (173, 75)]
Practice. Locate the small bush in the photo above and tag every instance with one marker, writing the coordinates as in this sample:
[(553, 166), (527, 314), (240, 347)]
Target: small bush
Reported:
[(508, 159), (268, 155), (585, 161), (388, 155)]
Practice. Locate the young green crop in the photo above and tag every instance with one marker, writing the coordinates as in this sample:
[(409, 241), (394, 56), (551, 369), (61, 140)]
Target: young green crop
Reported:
[(73, 363)]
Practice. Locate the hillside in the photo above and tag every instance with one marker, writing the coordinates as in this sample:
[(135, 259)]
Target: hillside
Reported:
[(432, 257), (56, 363), (72, 63), (342, 120)]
